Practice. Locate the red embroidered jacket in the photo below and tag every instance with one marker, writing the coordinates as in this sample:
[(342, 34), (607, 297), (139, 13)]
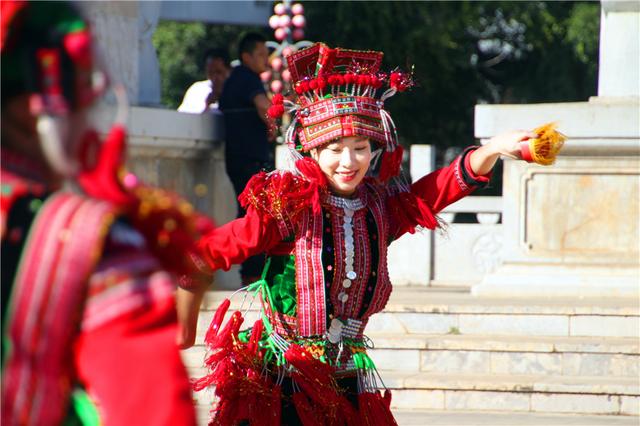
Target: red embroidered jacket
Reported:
[(340, 263)]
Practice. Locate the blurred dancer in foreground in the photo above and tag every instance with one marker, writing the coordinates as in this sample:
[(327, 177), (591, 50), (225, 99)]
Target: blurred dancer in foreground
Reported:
[(89, 321)]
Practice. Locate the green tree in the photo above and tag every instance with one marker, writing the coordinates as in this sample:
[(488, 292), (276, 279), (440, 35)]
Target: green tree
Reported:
[(466, 53)]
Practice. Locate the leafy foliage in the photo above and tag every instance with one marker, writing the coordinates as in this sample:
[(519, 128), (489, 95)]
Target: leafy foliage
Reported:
[(466, 53)]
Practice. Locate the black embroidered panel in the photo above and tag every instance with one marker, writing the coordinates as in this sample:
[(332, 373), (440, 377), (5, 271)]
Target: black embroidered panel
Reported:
[(375, 259), (328, 258)]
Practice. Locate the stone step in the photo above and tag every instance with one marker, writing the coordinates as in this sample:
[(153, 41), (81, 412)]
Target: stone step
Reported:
[(512, 395), (585, 395), (544, 344), (409, 323), (629, 386), (422, 311), (445, 300), (492, 355), (508, 355), (483, 418)]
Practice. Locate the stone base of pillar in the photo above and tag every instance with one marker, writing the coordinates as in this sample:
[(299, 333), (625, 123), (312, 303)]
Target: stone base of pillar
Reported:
[(570, 229)]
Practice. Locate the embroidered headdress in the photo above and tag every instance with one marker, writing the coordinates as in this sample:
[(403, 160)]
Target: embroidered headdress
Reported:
[(341, 93)]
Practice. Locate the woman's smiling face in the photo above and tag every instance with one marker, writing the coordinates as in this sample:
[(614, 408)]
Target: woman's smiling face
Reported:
[(345, 163)]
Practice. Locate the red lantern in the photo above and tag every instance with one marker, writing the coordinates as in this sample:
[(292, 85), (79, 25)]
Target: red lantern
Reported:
[(276, 86), (280, 34), (276, 63), (274, 21), (279, 9), (265, 76), (284, 21), (298, 34), (297, 9), (299, 21)]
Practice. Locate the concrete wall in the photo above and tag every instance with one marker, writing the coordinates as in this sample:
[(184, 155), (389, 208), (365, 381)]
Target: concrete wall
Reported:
[(246, 12)]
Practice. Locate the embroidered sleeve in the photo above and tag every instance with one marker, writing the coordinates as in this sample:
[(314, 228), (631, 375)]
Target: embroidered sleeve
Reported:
[(468, 176), (239, 239)]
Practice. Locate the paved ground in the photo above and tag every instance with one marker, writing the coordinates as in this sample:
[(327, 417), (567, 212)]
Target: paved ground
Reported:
[(461, 418), (442, 418)]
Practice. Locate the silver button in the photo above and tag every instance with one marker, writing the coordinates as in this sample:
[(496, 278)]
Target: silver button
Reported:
[(336, 323), (348, 212), (346, 283), (351, 275), (343, 297), (334, 338)]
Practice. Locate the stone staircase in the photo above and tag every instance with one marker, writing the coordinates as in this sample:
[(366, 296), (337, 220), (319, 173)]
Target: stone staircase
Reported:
[(453, 353)]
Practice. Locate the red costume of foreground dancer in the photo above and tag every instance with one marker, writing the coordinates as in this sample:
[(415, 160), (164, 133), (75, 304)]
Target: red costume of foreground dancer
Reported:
[(88, 278)]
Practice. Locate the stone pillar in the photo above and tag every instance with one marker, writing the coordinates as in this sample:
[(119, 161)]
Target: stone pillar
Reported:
[(123, 31), (572, 229), (619, 65), (148, 66)]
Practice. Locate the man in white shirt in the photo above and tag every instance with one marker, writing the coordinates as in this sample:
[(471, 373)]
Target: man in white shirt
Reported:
[(203, 95)]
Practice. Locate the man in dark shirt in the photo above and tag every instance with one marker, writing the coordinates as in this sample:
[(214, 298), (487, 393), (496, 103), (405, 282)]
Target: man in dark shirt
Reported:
[(248, 150)]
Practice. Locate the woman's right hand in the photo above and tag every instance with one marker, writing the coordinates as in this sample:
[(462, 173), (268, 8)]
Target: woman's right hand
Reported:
[(188, 307)]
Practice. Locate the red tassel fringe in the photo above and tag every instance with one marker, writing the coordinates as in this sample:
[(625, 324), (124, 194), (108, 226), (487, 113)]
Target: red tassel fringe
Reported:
[(244, 393), (410, 211), (236, 372)]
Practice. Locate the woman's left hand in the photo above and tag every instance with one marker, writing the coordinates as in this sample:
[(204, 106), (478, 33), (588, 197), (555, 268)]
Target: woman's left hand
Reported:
[(507, 143)]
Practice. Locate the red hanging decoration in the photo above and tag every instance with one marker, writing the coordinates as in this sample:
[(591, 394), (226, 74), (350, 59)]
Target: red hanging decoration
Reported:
[(390, 163), (212, 332)]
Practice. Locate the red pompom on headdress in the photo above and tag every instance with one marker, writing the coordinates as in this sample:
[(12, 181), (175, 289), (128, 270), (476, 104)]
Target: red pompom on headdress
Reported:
[(401, 80), (276, 110)]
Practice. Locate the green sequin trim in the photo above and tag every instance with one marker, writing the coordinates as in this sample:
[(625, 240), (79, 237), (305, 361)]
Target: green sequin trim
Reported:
[(281, 279)]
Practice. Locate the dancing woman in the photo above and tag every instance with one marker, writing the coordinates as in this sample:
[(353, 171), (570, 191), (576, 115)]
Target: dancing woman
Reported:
[(325, 227)]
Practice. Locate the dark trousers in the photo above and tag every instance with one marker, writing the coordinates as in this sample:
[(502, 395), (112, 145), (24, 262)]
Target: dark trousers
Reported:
[(240, 171)]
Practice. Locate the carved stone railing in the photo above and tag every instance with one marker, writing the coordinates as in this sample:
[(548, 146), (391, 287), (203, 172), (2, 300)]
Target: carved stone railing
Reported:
[(468, 249)]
